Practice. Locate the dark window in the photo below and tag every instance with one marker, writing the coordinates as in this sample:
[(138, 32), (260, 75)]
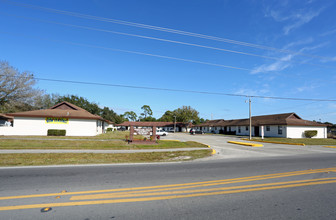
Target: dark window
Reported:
[(246, 128), (279, 129), (239, 129), (268, 128)]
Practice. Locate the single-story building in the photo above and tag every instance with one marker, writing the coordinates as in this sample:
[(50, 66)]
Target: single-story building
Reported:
[(287, 125), (167, 126), (6, 120), (63, 116), (110, 125)]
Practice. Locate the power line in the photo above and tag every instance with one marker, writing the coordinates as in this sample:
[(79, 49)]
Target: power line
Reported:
[(174, 90), (168, 30), (165, 40), (132, 52)]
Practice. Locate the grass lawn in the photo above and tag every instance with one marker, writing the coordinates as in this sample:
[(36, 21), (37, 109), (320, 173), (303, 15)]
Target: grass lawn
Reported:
[(306, 141), (92, 144), (109, 135), (89, 158)]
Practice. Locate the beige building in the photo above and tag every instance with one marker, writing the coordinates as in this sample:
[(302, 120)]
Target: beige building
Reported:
[(63, 116), (287, 125)]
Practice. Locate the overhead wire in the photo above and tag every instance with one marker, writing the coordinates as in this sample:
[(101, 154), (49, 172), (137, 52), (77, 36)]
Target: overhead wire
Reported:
[(175, 90), (165, 40), (163, 29), (130, 51)]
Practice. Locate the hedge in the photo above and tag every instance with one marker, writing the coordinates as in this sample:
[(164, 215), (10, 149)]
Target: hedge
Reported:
[(56, 132), (310, 133)]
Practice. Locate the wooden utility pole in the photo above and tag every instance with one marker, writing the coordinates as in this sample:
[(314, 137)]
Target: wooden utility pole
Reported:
[(250, 119)]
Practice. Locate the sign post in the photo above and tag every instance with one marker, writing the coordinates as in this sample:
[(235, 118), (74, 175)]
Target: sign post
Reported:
[(262, 132)]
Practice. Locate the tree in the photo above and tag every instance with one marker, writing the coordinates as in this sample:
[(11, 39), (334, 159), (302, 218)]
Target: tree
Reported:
[(186, 114), (148, 118), (45, 101), (147, 112), (199, 121), (167, 116), (16, 89), (130, 115), (93, 108), (82, 102)]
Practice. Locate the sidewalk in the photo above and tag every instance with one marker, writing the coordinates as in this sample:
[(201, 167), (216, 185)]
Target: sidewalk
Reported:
[(39, 151)]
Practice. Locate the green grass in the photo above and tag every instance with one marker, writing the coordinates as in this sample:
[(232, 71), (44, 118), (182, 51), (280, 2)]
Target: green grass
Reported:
[(306, 141), (88, 158), (92, 144), (108, 135)]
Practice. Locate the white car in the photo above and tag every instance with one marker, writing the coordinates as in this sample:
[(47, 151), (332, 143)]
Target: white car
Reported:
[(161, 132)]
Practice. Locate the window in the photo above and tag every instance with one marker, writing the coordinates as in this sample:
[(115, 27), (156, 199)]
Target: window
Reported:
[(279, 129), (246, 128), (239, 129), (268, 128)]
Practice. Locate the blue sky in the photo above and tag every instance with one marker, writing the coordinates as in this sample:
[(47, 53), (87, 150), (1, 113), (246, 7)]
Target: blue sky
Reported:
[(255, 48)]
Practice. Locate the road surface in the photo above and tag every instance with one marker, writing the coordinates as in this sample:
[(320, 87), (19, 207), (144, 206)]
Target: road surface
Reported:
[(269, 184)]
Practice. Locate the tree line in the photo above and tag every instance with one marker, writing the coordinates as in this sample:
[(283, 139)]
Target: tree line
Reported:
[(17, 93)]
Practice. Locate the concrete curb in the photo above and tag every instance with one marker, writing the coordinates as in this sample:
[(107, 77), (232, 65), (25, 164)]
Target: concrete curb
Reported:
[(329, 146), (246, 144), (274, 142), (213, 150), (39, 151)]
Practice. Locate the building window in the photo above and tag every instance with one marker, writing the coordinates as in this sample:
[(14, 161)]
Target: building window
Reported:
[(268, 128), (279, 129), (246, 128), (239, 129)]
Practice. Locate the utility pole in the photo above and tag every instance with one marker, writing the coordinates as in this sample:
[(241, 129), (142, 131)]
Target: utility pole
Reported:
[(250, 119), (174, 124)]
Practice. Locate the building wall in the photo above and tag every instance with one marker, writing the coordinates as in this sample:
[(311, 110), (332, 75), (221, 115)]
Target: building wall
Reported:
[(287, 131), (38, 126), (243, 130), (107, 125), (274, 131), (298, 131)]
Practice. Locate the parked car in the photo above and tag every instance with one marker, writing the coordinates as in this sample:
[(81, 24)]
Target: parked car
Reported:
[(170, 129), (161, 132), (192, 131)]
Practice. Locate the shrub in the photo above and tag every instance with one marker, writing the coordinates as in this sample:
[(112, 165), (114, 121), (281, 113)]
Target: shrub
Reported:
[(56, 132), (109, 129), (310, 133)]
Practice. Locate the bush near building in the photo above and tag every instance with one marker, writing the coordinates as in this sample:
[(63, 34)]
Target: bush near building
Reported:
[(310, 133), (56, 132)]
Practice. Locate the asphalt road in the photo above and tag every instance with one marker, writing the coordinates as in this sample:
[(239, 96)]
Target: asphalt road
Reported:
[(272, 186)]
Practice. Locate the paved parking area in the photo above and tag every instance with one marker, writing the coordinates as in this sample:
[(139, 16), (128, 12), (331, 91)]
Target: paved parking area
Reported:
[(226, 150)]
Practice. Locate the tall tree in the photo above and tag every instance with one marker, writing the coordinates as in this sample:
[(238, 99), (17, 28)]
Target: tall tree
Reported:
[(168, 116), (45, 101), (16, 89), (187, 114), (93, 108), (81, 102), (147, 111), (184, 114), (131, 115)]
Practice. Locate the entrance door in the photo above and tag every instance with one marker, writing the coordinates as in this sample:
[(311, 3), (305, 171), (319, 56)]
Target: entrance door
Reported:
[(256, 131)]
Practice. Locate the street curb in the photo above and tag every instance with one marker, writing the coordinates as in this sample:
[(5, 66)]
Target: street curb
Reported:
[(246, 144), (274, 142), (329, 146), (213, 150)]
